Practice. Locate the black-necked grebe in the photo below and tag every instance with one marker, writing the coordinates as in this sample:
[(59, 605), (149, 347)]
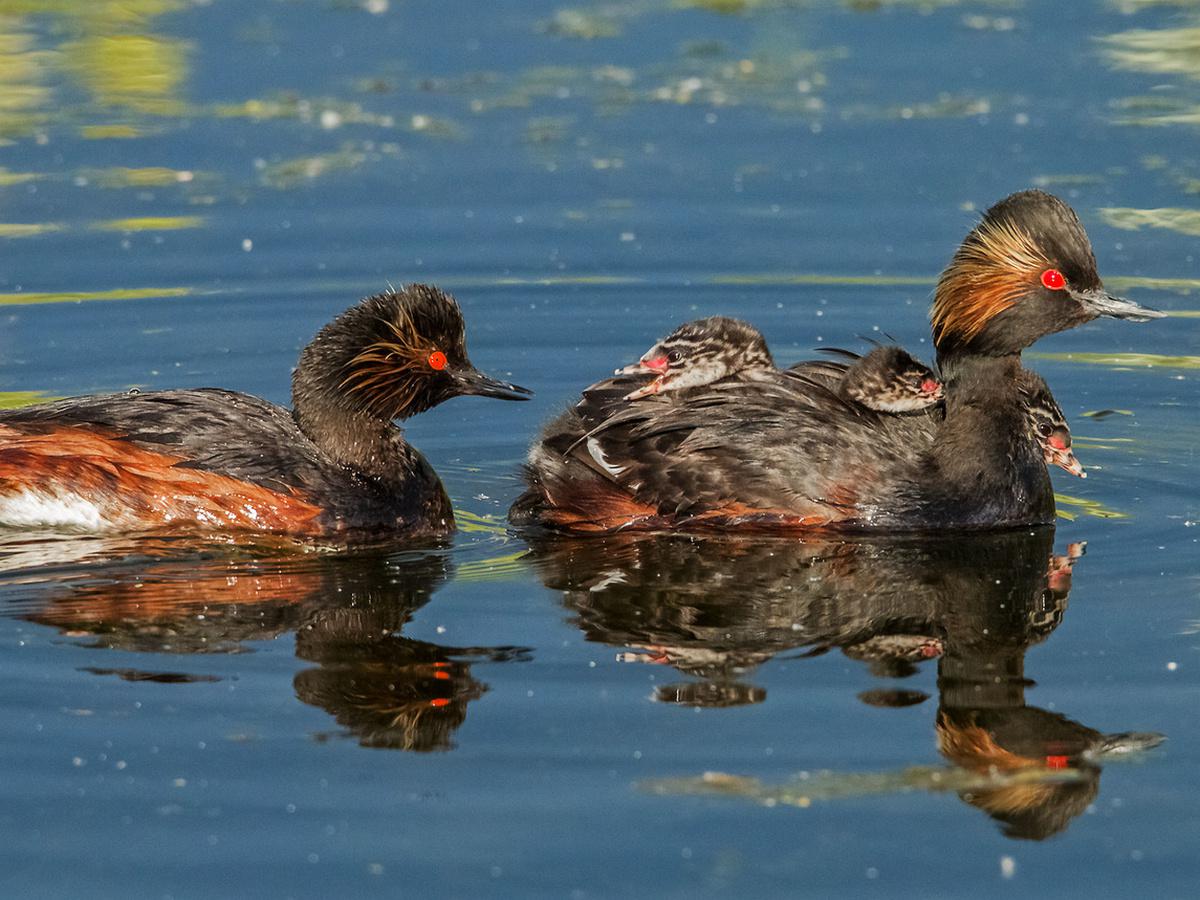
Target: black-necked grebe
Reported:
[(791, 453), (215, 459)]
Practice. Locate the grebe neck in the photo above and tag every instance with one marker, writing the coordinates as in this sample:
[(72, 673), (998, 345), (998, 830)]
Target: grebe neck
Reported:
[(984, 411), (984, 460), (346, 432)]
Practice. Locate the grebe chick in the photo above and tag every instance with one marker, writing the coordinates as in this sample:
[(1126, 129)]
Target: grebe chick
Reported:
[(699, 353), (1048, 424), (891, 380), (704, 351), (212, 459)]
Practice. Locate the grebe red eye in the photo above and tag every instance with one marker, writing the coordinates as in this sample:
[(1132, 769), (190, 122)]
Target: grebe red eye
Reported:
[(1053, 280), (437, 360)]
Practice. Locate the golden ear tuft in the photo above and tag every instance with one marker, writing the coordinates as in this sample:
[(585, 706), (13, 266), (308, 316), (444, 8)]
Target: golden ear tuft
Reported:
[(997, 263), (384, 377)]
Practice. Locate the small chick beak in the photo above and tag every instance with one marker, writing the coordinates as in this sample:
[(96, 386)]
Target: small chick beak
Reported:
[(1101, 303), (470, 380), (656, 364), (1066, 461), (647, 390)]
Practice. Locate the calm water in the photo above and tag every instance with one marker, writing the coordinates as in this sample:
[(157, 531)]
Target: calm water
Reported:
[(188, 190)]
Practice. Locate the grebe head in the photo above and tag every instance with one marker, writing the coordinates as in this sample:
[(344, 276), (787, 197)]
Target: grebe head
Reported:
[(891, 380), (698, 353), (1048, 426), (394, 355), (1026, 270)]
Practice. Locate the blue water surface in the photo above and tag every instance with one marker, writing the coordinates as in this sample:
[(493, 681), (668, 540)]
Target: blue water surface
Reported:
[(189, 190)]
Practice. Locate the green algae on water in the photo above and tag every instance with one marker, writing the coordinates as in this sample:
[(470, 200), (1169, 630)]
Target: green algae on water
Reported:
[(150, 223), (806, 789), (17, 399), (1178, 219), (32, 298), (1124, 360), (1078, 506)]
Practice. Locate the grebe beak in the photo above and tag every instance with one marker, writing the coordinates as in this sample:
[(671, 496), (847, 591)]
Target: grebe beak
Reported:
[(470, 380), (1101, 303)]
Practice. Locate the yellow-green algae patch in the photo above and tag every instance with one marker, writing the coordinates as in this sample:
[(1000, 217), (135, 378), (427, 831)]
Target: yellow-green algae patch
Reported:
[(150, 223), (1158, 51), (1136, 282), (326, 112), (27, 229), (1125, 360), (31, 298), (109, 132), (495, 568), (1178, 219), (289, 173), (1079, 506), (139, 72), (17, 399), (96, 13), (9, 178), (146, 176), (473, 523), (1132, 6), (823, 786), (581, 24)]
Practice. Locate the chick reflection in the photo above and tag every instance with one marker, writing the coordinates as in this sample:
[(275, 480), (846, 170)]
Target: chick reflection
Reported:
[(347, 613), (717, 607)]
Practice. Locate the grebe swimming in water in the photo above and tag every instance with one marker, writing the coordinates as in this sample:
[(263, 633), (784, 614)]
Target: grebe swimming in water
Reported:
[(786, 452), (215, 459)]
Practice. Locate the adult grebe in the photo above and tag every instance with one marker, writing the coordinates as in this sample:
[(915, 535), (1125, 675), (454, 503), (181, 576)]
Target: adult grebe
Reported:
[(213, 459)]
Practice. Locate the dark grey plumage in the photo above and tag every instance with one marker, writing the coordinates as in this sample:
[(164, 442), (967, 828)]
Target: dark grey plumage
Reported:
[(336, 463)]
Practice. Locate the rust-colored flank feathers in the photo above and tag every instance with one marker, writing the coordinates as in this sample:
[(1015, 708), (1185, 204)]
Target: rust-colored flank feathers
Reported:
[(132, 487), (994, 266)]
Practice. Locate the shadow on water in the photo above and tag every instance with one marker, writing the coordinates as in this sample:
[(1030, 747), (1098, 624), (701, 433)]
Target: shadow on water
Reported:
[(715, 609), (347, 612)]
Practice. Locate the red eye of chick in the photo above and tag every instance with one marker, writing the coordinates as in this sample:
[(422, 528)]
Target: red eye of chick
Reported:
[(1052, 279), (437, 360)]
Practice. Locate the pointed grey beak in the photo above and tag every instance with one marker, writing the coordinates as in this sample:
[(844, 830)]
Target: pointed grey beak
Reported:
[(1101, 303), (472, 381)]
